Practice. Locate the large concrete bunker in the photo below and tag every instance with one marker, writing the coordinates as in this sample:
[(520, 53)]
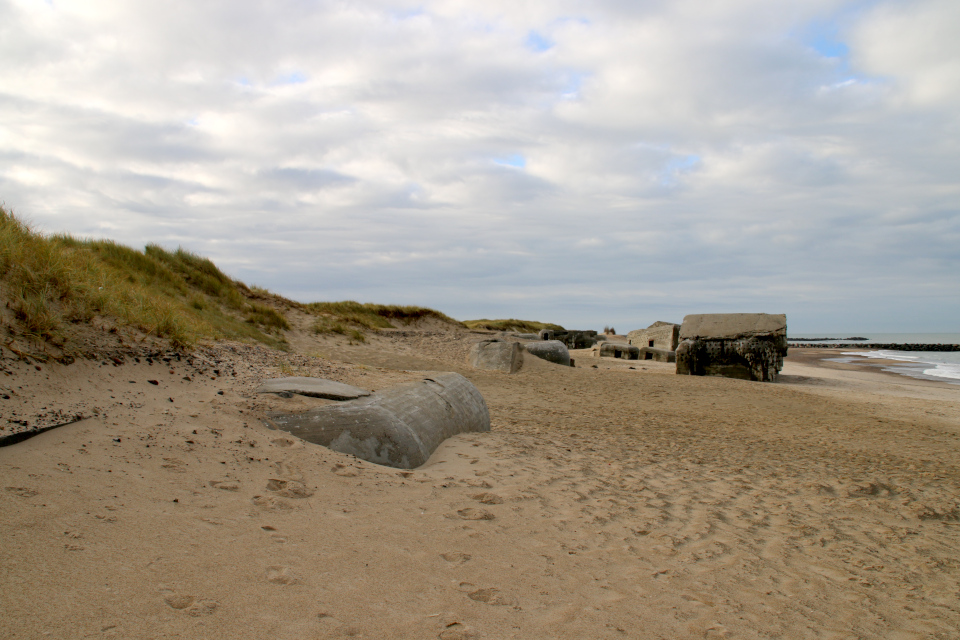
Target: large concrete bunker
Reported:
[(397, 427), (749, 346)]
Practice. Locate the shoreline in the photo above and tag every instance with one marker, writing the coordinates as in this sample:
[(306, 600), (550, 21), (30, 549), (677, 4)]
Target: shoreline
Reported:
[(887, 346), (825, 359)]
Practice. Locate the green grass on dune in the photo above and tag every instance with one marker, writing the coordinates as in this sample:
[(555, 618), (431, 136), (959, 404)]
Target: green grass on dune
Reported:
[(369, 315), (520, 326), (49, 282)]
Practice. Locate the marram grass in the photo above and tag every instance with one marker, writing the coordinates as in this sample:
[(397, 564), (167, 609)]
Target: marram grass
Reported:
[(51, 281), (511, 324)]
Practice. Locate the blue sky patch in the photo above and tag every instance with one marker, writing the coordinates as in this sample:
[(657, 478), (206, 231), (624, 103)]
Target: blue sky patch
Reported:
[(824, 38), (515, 160), (538, 42), (294, 77)]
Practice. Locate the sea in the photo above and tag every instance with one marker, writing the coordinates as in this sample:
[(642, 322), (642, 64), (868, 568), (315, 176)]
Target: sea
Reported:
[(943, 366)]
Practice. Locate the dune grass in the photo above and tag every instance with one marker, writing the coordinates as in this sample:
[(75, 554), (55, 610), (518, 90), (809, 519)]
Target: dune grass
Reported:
[(49, 281), (369, 315), (511, 324)]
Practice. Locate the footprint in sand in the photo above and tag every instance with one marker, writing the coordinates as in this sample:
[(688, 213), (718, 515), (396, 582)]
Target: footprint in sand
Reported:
[(456, 556), (457, 631), (271, 503), (344, 470), (491, 596), (475, 514), (189, 604), (23, 492), (487, 498), (226, 485), (281, 575), (289, 488)]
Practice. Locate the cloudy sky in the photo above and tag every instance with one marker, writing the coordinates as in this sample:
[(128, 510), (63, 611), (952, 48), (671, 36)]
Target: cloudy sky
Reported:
[(582, 162)]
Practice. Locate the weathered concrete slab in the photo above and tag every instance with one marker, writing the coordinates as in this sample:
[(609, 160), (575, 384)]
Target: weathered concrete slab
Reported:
[(550, 350), (313, 387), (397, 427), (496, 355), (731, 326)]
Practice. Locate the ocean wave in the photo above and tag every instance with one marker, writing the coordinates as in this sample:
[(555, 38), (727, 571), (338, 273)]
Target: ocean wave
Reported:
[(944, 371)]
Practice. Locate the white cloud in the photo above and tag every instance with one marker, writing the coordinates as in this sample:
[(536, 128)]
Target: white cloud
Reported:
[(704, 157)]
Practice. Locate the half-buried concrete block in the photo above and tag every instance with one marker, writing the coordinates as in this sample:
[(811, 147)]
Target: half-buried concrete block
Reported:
[(496, 355), (313, 387), (550, 350), (397, 427)]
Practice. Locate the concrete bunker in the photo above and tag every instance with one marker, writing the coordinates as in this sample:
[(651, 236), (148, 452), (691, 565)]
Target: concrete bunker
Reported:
[(749, 346), (572, 339), (617, 350), (659, 335), (496, 355), (657, 355), (397, 427)]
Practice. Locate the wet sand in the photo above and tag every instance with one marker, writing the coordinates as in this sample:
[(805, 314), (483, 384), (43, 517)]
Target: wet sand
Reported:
[(605, 503)]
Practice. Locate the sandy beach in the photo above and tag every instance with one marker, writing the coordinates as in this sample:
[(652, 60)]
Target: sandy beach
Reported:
[(621, 501)]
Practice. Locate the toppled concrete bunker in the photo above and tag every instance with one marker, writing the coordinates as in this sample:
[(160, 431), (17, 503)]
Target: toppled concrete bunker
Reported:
[(397, 427), (749, 346)]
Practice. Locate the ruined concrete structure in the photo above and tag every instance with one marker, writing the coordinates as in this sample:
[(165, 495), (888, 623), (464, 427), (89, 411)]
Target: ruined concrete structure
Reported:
[(749, 346), (572, 339), (659, 335)]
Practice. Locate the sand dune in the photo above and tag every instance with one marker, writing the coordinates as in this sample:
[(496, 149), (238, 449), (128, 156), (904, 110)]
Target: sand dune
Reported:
[(606, 503)]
